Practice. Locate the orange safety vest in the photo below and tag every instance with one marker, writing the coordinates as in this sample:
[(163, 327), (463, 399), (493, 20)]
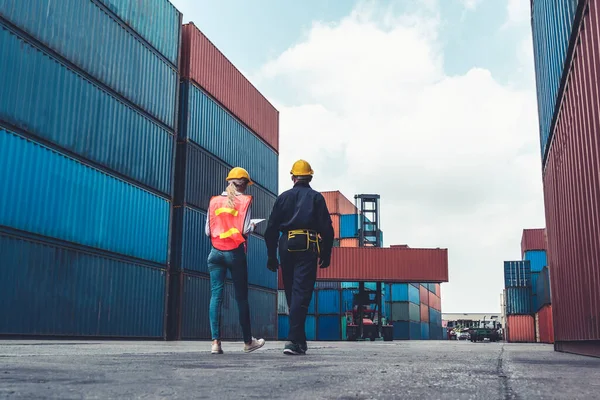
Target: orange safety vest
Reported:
[(227, 224)]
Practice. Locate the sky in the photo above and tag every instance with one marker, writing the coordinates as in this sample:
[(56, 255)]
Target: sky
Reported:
[(429, 103)]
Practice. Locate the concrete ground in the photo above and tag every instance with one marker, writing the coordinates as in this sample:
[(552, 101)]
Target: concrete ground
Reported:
[(337, 370)]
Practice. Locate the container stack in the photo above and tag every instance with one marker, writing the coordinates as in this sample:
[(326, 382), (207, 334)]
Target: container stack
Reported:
[(224, 123), (403, 310), (533, 249), (517, 289), (87, 124), (565, 46)]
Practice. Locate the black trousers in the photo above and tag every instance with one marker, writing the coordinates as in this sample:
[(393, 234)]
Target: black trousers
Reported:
[(299, 272)]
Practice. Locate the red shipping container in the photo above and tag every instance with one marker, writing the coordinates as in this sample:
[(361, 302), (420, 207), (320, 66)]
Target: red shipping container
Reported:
[(545, 326), (520, 329), (337, 203), (572, 197), (204, 64), (424, 313), (438, 290), (399, 246), (335, 220), (279, 280), (424, 295), (349, 242), (533, 239), (435, 302), (386, 265)]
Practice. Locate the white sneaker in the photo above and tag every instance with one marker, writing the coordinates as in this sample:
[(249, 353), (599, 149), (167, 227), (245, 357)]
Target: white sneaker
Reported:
[(216, 348), (254, 345)]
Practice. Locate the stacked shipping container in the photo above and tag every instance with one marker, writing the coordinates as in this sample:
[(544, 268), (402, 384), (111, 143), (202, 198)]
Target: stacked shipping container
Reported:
[(86, 143), (224, 123), (517, 298), (414, 310), (570, 172)]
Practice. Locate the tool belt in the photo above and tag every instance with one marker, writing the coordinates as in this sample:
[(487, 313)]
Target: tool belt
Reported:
[(303, 240)]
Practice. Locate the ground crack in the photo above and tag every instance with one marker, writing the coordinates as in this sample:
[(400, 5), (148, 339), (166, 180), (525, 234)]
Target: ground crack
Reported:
[(505, 388)]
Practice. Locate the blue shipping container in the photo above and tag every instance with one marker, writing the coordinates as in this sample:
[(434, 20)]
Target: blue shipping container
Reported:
[(415, 330), (191, 248), (517, 273), (50, 194), (310, 327), (347, 299), (328, 301), (401, 330), (57, 289), (283, 327), (348, 226), (195, 322), (327, 285), (425, 331), (209, 125), (552, 23), (537, 259), (95, 41), (157, 21), (200, 175), (543, 289), (518, 300), (435, 317), (329, 327), (404, 292), (436, 332), (45, 98)]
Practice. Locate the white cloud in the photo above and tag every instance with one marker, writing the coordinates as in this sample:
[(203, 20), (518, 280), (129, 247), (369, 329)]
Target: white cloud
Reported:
[(518, 11), (367, 102), (471, 4)]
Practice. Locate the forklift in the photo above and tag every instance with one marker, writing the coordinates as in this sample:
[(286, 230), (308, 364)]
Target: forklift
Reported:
[(365, 321), (486, 330)]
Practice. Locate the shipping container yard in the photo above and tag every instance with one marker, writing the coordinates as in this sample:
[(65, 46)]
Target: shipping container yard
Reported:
[(120, 121)]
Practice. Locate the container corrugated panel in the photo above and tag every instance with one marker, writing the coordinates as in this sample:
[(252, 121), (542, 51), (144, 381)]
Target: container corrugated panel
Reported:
[(436, 332), (423, 295), (279, 280), (533, 239), (414, 295), (545, 324), (282, 305), (543, 288), (520, 329), (195, 322), (47, 99), (203, 63), (398, 291), (424, 313), (517, 273), (572, 193), (157, 21), (425, 331), (437, 289), (312, 308), (348, 225), (347, 299), (387, 264), (415, 330), (56, 289), (401, 330), (95, 41), (551, 23), (329, 327), (335, 222), (337, 203), (435, 317), (327, 285), (310, 327), (50, 194), (403, 311), (200, 175), (209, 125), (328, 301), (537, 259), (435, 302), (518, 300), (283, 327), (191, 248), (349, 242)]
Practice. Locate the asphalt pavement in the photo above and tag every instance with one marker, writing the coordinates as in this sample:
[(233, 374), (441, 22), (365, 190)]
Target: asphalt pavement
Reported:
[(330, 370)]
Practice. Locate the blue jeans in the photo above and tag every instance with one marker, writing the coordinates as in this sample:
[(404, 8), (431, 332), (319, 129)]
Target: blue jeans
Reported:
[(218, 264)]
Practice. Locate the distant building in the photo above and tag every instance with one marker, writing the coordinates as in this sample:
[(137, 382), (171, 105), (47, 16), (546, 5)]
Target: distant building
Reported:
[(468, 320)]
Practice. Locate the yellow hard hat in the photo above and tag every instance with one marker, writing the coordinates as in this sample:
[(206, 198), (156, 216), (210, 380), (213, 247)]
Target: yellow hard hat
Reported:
[(239, 173), (301, 168)]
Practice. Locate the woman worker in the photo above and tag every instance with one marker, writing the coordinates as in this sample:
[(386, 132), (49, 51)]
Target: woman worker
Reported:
[(228, 225)]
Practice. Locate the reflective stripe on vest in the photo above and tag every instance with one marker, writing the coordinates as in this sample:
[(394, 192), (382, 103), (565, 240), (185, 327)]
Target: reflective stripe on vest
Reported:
[(227, 223)]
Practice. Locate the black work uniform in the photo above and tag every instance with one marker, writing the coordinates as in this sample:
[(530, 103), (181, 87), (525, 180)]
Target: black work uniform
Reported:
[(300, 208)]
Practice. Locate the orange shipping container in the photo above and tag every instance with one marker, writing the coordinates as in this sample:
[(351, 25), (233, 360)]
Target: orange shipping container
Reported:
[(335, 220), (435, 302), (424, 295), (520, 329), (337, 203), (545, 324), (349, 242), (424, 313), (386, 265)]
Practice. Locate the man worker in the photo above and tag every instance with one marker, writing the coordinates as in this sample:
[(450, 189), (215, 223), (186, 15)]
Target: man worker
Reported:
[(301, 215)]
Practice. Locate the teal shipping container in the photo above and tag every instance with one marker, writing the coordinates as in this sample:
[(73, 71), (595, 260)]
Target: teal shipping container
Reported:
[(403, 292), (537, 259), (425, 331), (404, 311)]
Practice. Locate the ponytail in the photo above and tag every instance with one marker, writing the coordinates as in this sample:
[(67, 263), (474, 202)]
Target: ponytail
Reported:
[(231, 193)]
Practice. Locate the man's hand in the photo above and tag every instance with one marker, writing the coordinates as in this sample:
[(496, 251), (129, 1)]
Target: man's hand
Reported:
[(324, 262), (272, 264)]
